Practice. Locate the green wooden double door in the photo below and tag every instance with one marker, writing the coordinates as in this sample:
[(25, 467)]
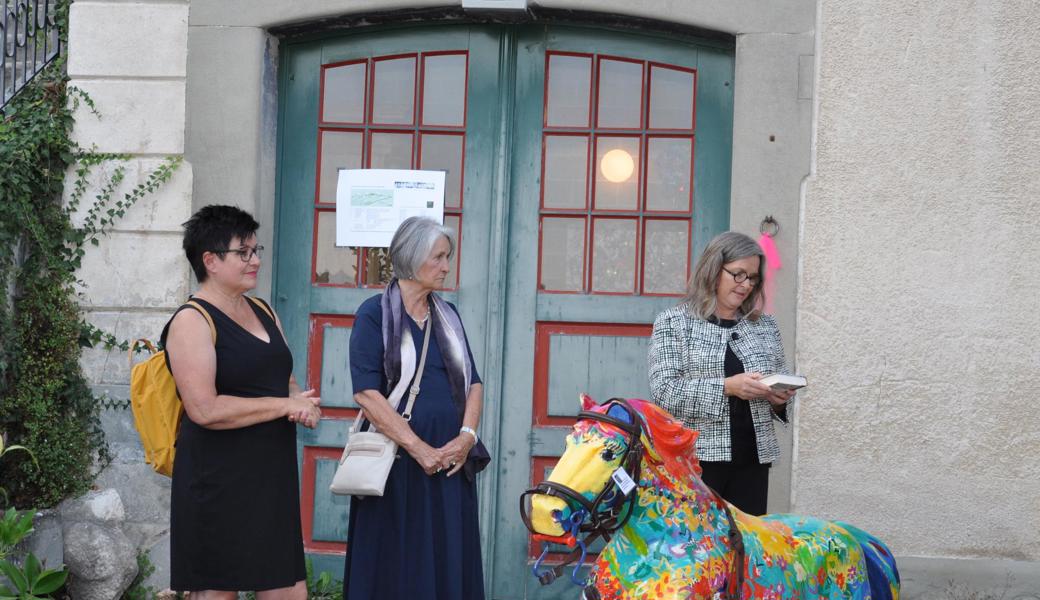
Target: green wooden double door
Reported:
[(585, 170)]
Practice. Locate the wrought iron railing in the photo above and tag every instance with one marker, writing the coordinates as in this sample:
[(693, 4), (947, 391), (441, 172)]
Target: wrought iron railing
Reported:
[(31, 38)]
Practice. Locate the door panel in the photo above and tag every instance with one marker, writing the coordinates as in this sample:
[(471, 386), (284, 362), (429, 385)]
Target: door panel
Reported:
[(634, 160), (391, 99)]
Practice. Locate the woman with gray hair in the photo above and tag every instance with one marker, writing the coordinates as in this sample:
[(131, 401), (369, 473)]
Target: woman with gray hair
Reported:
[(706, 358), (420, 539)]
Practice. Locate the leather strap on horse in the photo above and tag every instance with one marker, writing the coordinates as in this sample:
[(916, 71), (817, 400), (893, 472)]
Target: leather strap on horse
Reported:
[(735, 581), (550, 576)]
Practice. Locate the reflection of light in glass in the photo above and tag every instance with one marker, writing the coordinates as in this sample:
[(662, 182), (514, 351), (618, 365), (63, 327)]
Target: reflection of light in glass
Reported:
[(617, 165)]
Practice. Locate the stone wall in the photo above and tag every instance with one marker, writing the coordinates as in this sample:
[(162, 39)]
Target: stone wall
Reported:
[(131, 58)]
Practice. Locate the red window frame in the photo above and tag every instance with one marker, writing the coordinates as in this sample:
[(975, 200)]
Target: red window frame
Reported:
[(593, 132), (416, 128)]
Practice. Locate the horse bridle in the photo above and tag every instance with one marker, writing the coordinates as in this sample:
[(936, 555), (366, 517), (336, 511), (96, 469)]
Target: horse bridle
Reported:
[(604, 522), (604, 513)]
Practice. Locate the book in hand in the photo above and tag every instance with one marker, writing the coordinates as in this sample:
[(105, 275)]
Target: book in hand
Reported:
[(780, 382)]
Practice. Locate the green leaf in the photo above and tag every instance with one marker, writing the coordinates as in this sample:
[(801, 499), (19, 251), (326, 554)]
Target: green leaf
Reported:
[(31, 568), (49, 581), (14, 575)]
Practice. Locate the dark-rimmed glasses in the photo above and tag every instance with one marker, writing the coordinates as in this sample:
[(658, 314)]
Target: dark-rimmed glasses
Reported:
[(742, 276), (245, 253)]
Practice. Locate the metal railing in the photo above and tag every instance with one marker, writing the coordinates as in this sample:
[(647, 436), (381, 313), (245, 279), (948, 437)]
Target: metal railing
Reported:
[(31, 41)]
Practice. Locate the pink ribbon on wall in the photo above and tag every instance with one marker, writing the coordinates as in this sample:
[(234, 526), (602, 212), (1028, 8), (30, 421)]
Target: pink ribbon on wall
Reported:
[(773, 264)]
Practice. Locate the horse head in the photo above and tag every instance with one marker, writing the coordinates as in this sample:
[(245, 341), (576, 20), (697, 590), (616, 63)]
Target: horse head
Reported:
[(605, 440), (602, 464)]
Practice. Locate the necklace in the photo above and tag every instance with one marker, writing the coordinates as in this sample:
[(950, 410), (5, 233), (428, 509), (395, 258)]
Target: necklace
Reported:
[(422, 322)]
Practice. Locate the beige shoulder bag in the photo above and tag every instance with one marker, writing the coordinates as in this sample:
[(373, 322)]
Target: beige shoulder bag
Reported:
[(369, 455)]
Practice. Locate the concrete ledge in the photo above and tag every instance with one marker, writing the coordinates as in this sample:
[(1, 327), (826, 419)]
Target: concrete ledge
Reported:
[(265, 13), (137, 117), (738, 16), (135, 270), (963, 579), (127, 40), (163, 210)]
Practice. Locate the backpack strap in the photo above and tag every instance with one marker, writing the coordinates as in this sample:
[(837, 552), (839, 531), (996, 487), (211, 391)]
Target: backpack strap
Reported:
[(195, 305), (162, 337), (205, 313), (264, 307), (140, 342)]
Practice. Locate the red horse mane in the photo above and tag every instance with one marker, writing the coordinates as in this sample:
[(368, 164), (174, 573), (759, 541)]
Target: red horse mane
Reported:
[(671, 440)]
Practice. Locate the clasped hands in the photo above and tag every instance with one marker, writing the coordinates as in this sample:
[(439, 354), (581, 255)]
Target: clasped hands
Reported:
[(748, 387), (303, 408), (450, 457)]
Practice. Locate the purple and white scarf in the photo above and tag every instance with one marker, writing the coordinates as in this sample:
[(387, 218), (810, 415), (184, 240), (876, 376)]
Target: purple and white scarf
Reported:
[(451, 339)]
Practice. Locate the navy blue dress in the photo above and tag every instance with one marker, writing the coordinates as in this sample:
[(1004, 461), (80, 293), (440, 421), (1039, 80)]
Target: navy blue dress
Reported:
[(421, 538)]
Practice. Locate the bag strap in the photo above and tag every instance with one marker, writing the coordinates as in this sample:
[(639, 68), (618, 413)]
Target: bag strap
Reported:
[(413, 392), (196, 306), (264, 307), (140, 342), (209, 319)]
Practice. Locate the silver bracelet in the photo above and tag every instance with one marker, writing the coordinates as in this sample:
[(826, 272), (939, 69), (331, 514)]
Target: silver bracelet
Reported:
[(470, 431)]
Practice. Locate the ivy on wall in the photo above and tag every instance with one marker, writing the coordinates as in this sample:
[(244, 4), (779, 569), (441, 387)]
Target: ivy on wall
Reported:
[(45, 401)]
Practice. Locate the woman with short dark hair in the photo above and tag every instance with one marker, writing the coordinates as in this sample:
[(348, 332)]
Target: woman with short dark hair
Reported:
[(706, 358), (234, 510), (420, 539)]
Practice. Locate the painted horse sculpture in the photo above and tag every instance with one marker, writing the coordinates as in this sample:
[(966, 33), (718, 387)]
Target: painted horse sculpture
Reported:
[(672, 537)]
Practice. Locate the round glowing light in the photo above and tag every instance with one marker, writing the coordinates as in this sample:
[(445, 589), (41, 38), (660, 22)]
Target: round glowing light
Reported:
[(617, 165)]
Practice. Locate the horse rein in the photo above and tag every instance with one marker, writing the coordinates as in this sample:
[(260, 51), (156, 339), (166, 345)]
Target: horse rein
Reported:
[(602, 522)]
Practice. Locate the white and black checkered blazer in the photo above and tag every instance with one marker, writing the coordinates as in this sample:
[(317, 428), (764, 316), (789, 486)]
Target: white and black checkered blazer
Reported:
[(687, 368)]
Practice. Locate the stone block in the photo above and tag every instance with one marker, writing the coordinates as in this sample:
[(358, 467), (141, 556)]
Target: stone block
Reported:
[(118, 422), (162, 210), (109, 39), (137, 117), (112, 367), (146, 494), (102, 562), (46, 541), (104, 506), (134, 270)]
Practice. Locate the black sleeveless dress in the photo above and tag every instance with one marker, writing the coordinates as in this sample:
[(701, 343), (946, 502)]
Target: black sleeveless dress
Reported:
[(235, 508)]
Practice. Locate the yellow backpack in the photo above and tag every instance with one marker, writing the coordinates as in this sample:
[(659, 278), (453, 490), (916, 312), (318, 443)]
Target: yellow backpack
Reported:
[(153, 397), (157, 407)]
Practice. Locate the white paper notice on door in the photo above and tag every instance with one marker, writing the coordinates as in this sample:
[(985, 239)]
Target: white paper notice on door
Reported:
[(371, 203)]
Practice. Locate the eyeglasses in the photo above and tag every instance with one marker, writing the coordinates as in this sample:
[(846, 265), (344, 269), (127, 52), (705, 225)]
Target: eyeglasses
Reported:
[(245, 253), (742, 276)]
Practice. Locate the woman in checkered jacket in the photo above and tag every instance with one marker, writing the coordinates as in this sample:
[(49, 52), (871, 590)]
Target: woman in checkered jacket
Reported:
[(706, 358)]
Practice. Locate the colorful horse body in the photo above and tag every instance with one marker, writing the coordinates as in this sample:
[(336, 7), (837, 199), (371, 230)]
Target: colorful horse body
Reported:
[(675, 544)]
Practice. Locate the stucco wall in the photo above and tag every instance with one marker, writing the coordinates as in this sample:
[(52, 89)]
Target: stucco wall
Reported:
[(919, 281)]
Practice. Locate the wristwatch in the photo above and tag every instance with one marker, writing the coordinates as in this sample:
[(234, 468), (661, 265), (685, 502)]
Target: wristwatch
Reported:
[(470, 431)]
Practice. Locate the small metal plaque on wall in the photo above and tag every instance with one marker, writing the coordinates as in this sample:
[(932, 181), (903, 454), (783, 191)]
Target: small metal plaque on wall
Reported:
[(495, 4)]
